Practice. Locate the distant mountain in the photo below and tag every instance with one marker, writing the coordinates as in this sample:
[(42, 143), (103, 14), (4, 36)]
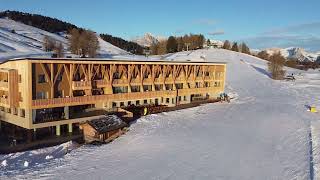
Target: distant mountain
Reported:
[(147, 40), (295, 53)]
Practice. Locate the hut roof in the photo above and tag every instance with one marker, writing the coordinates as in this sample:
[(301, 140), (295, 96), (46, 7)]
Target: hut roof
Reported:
[(107, 123)]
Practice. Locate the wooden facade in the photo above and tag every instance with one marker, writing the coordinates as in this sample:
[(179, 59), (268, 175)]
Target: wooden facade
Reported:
[(37, 93)]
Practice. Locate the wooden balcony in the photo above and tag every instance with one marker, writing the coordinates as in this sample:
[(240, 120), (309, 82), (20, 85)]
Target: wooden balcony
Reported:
[(80, 100), (182, 92), (81, 85), (102, 83)]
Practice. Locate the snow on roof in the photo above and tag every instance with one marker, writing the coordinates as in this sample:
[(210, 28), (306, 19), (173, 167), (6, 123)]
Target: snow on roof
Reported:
[(107, 124)]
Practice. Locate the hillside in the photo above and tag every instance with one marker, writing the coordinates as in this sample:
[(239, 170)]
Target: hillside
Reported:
[(264, 133), (57, 26), (21, 40)]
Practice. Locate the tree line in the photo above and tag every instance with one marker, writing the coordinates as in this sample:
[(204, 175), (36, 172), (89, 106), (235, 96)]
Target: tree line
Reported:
[(128, 46), (177, 44), (235, 47), (49, 24)]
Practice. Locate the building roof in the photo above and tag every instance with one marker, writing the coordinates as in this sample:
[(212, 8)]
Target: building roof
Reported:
[(116, 60), (107, 123)]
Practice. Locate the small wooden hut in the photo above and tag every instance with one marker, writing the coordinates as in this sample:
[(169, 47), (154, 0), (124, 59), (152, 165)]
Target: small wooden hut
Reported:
[(104, 129)]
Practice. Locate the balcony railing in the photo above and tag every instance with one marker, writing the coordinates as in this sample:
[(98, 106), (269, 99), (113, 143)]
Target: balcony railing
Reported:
[(102, 83), (79, 100), (199, 90), (81, 85)]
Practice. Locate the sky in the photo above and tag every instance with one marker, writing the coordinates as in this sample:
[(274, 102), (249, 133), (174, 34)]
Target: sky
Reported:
[(269, 23)]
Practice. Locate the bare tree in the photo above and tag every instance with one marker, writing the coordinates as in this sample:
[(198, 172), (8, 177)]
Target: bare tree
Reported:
[(275, 66), (48, 43), (84, 43), (59, 50), (74, 41)]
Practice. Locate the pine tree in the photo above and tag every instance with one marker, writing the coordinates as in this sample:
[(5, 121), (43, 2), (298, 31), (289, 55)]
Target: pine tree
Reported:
[(226, 45), (245, 49), (172, 45), (208, 42), (235, 47), (263, 55)]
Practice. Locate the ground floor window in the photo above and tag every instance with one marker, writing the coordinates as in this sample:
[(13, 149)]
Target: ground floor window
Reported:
[(167, 100)]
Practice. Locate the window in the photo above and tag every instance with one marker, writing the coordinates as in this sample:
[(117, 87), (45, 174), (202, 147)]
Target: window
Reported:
[(179, 86), (59, 78), (158, 87), (121, 104), (129, 103), (20, 97), (117, 90), (145, 101), (147, 88), (41, 78), (116, 75), (146, 75), (41, 95), (20, 78), (14, 111), (114, 104), (135, 88), (167, 100), (137, 102), (23, 113)]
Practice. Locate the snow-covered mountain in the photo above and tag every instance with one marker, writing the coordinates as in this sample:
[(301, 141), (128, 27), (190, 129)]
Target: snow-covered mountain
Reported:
[(21, 40), (147, 39), (295, 52)]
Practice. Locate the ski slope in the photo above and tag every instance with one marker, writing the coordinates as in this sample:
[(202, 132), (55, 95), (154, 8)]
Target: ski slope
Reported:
[(262, 134)]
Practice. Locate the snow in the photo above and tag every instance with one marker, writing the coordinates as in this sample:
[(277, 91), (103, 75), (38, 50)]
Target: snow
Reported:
[(27, 41), (294, 52), (264, 133)]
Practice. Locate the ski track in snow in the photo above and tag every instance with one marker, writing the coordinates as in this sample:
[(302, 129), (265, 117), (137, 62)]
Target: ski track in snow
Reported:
[(262, 134)]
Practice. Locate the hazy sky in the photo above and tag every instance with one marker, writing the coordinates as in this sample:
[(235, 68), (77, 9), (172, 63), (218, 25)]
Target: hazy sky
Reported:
[(260, 23)]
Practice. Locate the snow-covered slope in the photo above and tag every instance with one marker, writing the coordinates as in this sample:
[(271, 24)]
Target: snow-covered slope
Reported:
[(21, 40), (295, 52), (262, 134), (147, 40)]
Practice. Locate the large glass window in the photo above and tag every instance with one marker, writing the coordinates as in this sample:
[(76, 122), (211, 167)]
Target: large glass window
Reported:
[(117, 90), (41, 78)]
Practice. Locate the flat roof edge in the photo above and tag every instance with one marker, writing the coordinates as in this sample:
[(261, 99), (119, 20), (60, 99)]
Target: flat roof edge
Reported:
[(115, 60)]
